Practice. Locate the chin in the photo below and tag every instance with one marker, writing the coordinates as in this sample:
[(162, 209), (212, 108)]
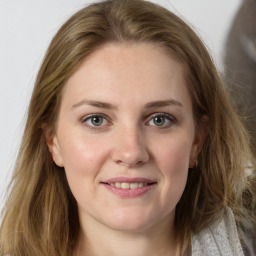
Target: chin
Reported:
[(128, 221)]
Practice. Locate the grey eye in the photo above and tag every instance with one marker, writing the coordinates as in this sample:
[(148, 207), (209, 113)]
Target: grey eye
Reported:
[(95, 121), (159, 120)]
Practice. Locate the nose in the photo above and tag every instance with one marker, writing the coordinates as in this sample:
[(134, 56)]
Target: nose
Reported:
[(130, 148)]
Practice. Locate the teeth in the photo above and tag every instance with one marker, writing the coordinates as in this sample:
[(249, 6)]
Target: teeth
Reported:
[(126, 185), (118, 185), (134, 185), (141, 185)]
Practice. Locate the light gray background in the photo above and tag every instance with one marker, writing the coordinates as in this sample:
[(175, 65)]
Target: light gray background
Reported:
[(26, 28)]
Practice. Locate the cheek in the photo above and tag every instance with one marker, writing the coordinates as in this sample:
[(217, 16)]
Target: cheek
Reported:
[(173, 162), (174, 167), (173, 155), (83, 160), (82, 156)]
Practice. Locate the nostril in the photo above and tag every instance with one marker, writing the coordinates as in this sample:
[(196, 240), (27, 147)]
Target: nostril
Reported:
[(130, 164), (140, 163)]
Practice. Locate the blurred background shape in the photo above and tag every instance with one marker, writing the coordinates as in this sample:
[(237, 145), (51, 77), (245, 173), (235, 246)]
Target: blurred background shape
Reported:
[(240, 64)]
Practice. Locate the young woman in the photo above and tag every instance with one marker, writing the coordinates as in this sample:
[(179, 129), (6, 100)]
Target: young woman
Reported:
[(131, 146)]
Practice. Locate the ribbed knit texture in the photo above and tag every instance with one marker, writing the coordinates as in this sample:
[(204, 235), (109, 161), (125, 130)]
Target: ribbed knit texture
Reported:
[(220, 239)]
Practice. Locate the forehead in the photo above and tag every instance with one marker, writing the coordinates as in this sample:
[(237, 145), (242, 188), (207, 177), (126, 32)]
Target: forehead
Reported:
[(129, 72)]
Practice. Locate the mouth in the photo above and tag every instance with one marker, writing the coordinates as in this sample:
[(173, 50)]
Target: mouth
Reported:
[(129, 187)]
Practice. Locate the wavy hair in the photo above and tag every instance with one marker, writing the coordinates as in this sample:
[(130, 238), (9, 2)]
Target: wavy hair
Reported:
[(40, 216)]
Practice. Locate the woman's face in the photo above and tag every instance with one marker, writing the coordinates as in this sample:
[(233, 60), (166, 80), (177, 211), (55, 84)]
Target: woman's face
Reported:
[(125, 136)]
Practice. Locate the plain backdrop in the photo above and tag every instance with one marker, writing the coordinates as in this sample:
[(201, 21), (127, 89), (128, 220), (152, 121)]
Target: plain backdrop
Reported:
[(26, 28)]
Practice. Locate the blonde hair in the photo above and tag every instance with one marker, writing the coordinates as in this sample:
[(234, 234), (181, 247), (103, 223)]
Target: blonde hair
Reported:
[(40, 216)]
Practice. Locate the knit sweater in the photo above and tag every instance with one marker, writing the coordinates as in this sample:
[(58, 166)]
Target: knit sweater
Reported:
[(220, 239)]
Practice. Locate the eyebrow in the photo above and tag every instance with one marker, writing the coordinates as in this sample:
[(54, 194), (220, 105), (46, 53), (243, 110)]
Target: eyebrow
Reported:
[(97, 104), (105, 105), (163, 103)]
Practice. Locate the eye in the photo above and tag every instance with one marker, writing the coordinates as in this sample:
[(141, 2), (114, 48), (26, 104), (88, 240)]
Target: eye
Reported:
[(161, 120), (95, 120)]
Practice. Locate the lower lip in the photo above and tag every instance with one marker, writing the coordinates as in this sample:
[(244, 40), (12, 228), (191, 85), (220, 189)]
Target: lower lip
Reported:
[(130, 193)]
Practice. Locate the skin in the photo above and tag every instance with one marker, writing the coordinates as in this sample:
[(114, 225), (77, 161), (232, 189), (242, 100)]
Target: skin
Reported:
[(133, 140)]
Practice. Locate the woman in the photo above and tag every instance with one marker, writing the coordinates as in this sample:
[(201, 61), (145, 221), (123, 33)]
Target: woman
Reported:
[(131, 146)]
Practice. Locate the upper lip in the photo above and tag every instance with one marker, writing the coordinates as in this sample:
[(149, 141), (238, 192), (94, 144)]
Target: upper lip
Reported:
[(129, 180)]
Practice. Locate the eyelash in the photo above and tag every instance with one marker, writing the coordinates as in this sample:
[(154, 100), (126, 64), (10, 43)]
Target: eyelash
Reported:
[(89, 118), (168, 118)]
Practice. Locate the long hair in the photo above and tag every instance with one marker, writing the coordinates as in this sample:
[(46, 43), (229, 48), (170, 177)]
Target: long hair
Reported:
[(40, 216), (240, 63)]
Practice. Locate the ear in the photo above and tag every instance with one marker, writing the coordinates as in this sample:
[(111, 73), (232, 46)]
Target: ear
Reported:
[(53, 145), (200, 135)]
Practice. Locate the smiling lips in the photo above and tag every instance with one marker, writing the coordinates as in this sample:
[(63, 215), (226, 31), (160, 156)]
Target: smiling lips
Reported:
[(129, 187), (126, 185)]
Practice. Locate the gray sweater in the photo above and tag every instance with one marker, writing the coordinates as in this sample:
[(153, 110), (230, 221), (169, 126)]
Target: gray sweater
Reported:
[(220, 239)]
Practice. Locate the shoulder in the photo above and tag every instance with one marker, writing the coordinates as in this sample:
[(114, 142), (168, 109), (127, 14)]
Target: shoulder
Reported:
[(221, 238)]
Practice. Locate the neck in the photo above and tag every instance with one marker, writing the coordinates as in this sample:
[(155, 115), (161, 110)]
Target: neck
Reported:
[(160, 239)]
